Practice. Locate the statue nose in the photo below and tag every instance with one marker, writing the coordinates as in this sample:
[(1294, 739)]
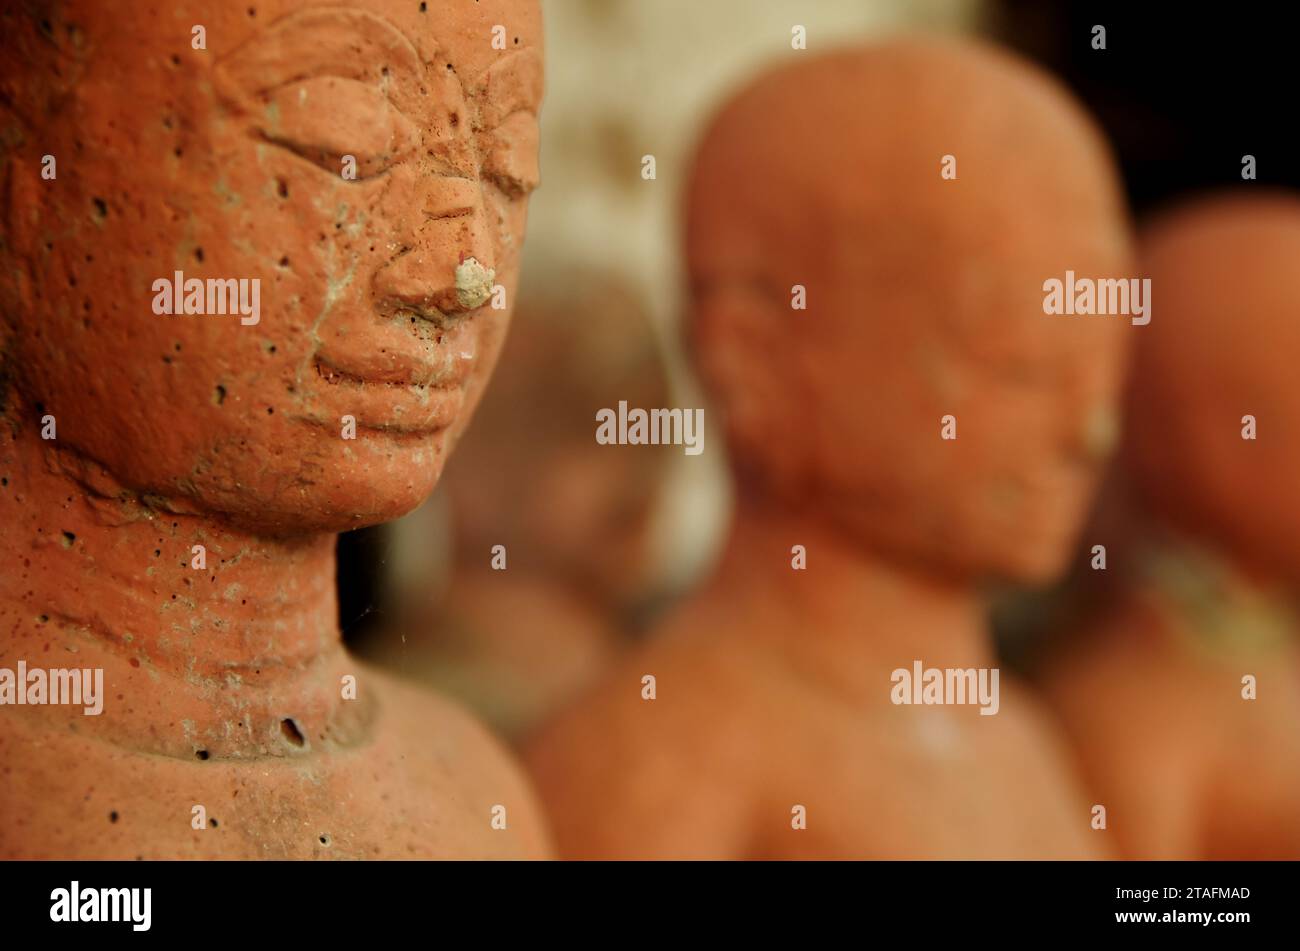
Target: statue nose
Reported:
[(434, 284), (447, 266)]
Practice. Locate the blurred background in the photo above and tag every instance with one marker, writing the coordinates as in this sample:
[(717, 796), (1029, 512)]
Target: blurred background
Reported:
[(600, 539)]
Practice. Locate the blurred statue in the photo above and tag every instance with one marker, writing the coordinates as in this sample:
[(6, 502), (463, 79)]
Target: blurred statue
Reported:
[(551, 556), (918, 194), (1183, 691), (245, 280)]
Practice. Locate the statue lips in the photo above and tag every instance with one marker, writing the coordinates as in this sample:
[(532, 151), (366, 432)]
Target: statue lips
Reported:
[(395, 377)]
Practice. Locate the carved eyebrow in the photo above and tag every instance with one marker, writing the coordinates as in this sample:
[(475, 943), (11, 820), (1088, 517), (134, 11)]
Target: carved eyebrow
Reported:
[(330, 41), (512, 84)]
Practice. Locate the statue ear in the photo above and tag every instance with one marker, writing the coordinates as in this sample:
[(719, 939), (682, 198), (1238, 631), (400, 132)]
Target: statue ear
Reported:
[(41, 61), (24, 198), (24, 207), (741, 341), (20, 217)]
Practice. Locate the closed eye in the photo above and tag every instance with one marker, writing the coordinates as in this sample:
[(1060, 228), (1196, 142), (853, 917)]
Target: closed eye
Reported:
[(325, 118)]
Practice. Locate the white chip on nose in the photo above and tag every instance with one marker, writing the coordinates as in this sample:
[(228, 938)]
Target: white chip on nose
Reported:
[(473, 283)]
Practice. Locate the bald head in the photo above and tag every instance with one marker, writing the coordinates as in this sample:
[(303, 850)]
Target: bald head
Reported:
[(924, 294), (1225, 348)]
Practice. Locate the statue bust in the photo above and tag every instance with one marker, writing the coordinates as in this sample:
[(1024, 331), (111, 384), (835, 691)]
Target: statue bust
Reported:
[(250, 278), (862, 535), (1182, 688)]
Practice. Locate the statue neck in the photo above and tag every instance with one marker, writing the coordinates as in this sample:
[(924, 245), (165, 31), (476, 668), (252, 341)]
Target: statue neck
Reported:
[(851, 613), (189, 617)]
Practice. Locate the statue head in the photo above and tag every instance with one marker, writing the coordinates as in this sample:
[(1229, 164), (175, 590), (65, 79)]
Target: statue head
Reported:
[(531, 472), (339, 191), (1223, 269), (917, 195)]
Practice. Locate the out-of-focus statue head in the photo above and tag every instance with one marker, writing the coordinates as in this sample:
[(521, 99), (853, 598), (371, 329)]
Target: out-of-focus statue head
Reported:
[(1224, 349), (918, 194), (532, 473)]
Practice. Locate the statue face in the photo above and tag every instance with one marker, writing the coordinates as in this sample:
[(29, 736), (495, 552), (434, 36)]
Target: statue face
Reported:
[(1030, 401), (1223, 268), (362, 172), (924, 300)]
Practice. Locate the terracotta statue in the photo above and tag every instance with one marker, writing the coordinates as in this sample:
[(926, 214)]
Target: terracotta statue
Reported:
[(250, 262), (1183, 691), (919, 194), (551, 556)]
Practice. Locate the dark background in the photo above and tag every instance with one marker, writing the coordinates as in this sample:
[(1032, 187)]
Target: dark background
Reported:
[(1184, 90)]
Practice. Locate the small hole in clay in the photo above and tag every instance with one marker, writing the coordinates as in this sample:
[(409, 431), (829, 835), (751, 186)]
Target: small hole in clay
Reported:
[(291, 732), (219, 394), (101, 207), (68, 539), (201, 754), (282, 188), (112, 816), (325, 839)]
